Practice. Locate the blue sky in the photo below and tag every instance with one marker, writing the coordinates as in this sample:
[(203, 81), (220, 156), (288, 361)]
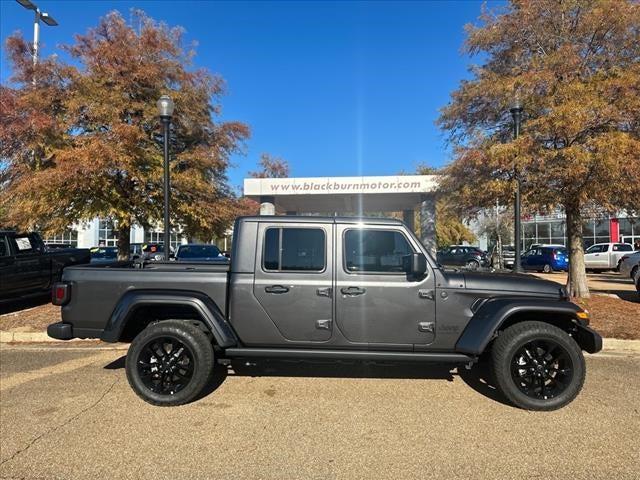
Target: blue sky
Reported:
[(335, 88)]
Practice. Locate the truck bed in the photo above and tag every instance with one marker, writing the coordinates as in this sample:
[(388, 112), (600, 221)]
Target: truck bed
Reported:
[(106, 284)]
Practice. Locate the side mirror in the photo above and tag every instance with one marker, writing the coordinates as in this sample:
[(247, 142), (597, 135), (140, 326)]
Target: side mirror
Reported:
[(415, 264)]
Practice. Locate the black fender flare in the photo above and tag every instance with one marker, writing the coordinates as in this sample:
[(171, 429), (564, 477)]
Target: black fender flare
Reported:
[(206, 308), (495, 311)]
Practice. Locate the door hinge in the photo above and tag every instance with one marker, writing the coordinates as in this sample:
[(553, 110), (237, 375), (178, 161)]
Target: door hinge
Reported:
[(324, 324), (426, 326), (428, 294)]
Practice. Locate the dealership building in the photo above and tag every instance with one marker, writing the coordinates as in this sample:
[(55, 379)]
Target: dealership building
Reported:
[(409, 197)]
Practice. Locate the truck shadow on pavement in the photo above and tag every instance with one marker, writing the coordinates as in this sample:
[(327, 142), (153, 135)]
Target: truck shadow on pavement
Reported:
[(478, 377)]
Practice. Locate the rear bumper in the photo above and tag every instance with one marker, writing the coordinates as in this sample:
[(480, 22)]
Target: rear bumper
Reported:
[(60, 331)]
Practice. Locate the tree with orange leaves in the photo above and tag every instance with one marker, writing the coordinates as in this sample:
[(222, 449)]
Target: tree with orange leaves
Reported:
[(574, 65), (85, 141)]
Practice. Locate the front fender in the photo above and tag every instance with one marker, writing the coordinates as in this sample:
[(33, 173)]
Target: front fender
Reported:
[(205, 307), (495, 311)]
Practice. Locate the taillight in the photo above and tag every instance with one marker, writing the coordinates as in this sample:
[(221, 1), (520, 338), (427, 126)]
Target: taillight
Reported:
[(60, 293)]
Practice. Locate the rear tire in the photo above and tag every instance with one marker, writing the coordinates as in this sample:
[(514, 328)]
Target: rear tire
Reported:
[(538, 366), (547, 268), (170, 362), (633, 271)]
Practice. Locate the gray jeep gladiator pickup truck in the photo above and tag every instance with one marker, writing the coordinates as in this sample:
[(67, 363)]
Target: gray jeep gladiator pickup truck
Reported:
[(327, 288)]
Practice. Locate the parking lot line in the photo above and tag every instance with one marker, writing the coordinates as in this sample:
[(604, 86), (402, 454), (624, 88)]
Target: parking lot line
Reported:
[(24, 377)]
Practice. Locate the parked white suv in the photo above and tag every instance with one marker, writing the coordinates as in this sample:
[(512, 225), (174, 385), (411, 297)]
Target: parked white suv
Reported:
[(606, 256)]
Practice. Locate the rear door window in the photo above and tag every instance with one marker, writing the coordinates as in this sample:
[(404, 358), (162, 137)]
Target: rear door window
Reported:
[(294, 249), (23, 245)]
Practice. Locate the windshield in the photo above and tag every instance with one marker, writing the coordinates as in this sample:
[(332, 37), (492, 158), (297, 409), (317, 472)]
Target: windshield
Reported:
[(198, 251)]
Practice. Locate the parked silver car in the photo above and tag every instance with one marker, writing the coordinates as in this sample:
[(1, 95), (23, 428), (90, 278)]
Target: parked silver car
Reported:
[(629, 264)]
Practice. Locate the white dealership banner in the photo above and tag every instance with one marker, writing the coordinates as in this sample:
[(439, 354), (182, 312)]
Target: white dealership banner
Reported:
[(340, 185)]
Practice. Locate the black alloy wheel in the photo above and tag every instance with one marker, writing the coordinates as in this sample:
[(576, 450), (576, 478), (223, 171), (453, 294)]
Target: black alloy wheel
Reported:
[(542, 369), (165, 365), (537, 366), (170, 362)]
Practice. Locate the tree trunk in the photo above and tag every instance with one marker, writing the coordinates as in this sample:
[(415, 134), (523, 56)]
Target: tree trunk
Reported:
[(577, 280), (124, 241)]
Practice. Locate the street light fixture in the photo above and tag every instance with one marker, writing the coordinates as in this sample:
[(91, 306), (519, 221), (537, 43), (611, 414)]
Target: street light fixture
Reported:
[(516, 113), (165, 110), (39, 15)]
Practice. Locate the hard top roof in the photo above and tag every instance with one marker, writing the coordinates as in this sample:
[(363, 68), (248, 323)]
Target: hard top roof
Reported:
[(314, 219)]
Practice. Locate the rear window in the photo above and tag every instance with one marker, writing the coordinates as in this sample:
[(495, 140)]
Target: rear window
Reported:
[(294, 249), (622, 247)]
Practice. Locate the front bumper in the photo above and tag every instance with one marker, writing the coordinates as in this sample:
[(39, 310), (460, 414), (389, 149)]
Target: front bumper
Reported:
[(588, 339), (60, 331)]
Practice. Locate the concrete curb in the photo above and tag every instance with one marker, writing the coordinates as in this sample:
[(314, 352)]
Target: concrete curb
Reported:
[(609, 344), (32, 337)]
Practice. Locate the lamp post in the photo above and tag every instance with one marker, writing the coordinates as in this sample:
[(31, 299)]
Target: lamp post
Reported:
[(165, 109), (38, 15), (516, 113)]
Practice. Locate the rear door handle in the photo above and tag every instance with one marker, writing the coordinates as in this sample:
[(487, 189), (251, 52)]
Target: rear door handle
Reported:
[(353, 291), (276, 289)]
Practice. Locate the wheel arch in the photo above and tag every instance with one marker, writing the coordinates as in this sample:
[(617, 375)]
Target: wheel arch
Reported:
[(498, 314), (137, 308)]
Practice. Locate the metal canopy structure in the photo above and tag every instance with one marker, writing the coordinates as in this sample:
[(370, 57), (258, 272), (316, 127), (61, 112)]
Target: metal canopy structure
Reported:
[(350, 196)]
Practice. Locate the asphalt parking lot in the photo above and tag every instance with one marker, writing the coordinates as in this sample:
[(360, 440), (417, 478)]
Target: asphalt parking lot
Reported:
[(68, 413)]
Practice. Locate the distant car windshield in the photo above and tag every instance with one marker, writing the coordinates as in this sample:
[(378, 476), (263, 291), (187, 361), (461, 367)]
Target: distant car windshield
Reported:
[(198, 251), (104, 252)]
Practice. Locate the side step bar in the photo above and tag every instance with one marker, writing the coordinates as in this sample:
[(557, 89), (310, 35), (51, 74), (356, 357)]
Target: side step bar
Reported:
[(308, 354)]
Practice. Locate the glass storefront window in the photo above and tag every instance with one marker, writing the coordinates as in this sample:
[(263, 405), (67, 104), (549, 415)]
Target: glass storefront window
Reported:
[(68, 237), (544, 232), (154, 236), (107, 236), (602, 228), (557, 229)]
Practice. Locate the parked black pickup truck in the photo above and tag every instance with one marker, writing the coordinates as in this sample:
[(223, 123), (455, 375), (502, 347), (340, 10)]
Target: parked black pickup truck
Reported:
[(28, 268), (327, 288)]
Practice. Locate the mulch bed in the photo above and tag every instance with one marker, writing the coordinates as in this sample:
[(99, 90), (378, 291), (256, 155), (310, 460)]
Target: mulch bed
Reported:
[(32, 318), (613, 317)]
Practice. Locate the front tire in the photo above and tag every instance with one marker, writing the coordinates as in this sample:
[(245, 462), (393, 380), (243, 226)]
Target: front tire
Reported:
[(170, 362), (473, 265), (538, 366)]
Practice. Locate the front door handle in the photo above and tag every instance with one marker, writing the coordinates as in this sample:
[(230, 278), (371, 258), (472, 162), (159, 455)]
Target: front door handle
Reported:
[(353, 291), (277, 289)]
